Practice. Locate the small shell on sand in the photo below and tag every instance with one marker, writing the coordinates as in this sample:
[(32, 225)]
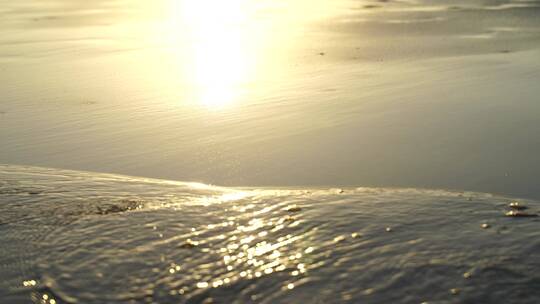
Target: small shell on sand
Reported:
[(485, 225), (339, 238), (517, 206), (293, 208), (289, 219), (454, 291), (189, 244), (514, 213)]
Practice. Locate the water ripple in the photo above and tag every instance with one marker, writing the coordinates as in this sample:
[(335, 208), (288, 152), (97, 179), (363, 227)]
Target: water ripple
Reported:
[(76, 237)]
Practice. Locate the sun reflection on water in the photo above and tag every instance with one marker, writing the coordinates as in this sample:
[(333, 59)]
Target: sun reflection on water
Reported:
[(217, 46), (230, 51)]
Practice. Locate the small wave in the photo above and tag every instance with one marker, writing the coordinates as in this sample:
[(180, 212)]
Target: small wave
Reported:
[(78, 237)]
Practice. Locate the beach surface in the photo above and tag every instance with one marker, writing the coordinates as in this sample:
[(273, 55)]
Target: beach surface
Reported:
[(363, 151), (79, 237), (431, 94)]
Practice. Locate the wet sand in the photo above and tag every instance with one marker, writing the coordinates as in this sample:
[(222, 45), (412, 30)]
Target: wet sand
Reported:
[(348, 93)]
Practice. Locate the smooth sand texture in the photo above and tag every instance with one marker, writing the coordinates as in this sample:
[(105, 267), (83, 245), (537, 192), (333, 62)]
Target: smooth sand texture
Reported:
[(336, 93)]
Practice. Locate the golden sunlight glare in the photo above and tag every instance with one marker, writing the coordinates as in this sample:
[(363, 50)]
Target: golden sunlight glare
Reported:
[(219, 55)]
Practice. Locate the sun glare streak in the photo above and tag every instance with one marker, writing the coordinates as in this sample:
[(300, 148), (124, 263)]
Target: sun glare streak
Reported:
[(218, 49), (222, 53)]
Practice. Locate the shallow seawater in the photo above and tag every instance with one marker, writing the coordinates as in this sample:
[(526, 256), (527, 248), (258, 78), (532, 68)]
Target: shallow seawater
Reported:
[(79, 237), (434, 94)]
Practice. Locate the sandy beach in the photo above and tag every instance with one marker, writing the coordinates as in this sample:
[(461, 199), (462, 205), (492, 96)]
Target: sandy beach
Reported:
[(420, 116), (397, 93)]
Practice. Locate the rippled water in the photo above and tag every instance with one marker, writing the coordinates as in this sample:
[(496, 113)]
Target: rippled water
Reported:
[(77, 237)]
